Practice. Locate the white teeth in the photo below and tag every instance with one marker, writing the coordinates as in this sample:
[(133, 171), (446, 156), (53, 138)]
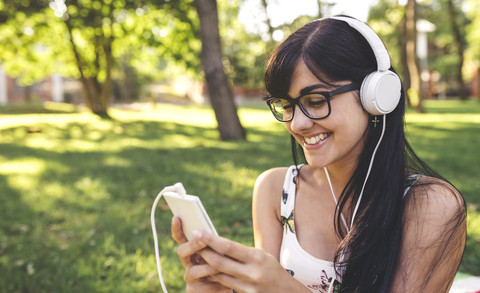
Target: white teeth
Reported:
[(316, 139)]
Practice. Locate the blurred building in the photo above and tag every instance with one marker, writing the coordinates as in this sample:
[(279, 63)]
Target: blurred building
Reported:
[(53, 88)]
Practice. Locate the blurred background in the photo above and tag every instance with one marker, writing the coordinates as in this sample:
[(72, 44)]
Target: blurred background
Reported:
[(105, 102), (100, 53)]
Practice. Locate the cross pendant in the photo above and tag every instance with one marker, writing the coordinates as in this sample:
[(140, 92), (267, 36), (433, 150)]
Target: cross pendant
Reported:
[(375, 121)]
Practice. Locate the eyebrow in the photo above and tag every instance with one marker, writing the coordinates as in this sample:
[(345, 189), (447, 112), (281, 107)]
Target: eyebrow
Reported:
[(312, 87)]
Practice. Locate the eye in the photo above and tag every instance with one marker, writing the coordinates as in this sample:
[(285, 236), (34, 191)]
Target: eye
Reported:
[(280, 104), (314, 101), (284, 104)]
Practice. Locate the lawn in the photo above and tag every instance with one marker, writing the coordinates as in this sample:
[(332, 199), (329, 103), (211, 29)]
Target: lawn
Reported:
[(76, 190)]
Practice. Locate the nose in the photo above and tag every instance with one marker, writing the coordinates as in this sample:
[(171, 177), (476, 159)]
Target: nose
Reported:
[(300, 122)]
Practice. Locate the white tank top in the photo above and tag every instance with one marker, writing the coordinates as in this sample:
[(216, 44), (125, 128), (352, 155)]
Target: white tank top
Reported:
[(316, 274)]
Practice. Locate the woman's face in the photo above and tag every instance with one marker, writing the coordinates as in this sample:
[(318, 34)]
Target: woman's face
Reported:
[(337, 139)]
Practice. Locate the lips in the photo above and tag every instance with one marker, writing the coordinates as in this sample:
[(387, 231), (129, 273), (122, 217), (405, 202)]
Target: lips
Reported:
[(315, 139)]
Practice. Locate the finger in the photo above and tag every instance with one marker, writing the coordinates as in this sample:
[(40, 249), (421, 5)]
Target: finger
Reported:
[(232, 282), (193, 273), (224, 246), (207, 287), (186, 251), (197, 259), (222, 263), (177, 231)]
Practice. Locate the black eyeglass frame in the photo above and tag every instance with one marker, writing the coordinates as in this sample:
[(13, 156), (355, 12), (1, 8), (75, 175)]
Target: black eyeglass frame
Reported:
[(296, 101)]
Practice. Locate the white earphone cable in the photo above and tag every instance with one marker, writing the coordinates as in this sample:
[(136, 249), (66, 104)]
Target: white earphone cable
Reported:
[(369, 169), (334, 197), (342, 256), (155, 239), (364, 182), (178, 188)]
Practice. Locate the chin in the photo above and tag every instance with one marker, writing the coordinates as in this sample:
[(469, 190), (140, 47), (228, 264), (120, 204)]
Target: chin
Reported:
[(317, 163)]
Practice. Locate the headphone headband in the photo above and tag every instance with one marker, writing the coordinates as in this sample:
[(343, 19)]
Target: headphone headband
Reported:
[(381, 54), (381, 90)]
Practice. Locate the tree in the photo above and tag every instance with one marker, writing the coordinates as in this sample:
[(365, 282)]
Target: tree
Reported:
[(415, 91), (221, 96), (95, 70), (445, 45), (271, 29), (473, 50), (460, 46), (31, 45), (98, 28), (473, 32), (102, 35), (244, 52), (88, 27), (87, 39)]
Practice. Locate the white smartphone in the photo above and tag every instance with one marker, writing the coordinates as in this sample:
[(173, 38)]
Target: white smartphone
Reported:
[(191, 211)]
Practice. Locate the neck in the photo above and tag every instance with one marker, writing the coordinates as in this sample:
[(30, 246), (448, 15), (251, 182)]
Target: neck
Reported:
[(340, 173)]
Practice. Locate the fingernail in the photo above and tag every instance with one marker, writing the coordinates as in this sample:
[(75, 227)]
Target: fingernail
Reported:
[(197, 234)]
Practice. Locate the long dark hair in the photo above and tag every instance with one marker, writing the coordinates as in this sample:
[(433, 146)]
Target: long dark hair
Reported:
[(332, 48)]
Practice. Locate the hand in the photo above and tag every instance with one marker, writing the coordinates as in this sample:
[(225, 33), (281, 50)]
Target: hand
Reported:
[(243, 268), (197, 271)]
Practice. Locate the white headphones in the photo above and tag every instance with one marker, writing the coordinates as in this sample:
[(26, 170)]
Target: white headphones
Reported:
[(380, 91)]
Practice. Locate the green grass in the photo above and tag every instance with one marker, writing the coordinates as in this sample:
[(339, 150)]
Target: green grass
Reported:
[(76, 190)]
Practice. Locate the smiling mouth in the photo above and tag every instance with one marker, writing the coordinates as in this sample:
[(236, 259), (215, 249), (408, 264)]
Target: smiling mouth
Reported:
[(315, 139)]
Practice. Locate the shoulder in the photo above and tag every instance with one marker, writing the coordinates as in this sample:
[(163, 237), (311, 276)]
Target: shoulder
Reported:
[(434, 198), (269, 184), (434, 215), (268, 188), (267, 194), (271, 177), (433, 240)]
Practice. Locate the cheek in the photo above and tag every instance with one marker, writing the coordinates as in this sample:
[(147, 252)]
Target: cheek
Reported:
[(353, 121), (288, 127), (357, 124)]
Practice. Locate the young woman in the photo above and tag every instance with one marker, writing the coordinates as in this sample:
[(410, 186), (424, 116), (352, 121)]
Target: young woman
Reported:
[(364, 214)]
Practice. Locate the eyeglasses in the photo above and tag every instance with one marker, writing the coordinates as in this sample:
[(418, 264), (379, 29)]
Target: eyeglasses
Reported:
[(315, 105)]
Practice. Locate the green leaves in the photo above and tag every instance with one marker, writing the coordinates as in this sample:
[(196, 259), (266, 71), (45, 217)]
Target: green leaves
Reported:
[(33, 45)]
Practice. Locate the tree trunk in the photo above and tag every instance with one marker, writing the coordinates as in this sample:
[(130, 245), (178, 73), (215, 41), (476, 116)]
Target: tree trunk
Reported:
[(403, 56), (106, 89), (97, 96), (415, 92), (28, 93), (271, 42), (320, 5), (459, 44), (219, 91), (269, 23)]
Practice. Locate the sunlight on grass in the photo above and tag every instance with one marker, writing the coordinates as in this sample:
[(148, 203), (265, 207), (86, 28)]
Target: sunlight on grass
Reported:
[(23, 173), (444, 119), (61, 107), (188, 115), (93, 188), (116, 161), (33, 119), (30, 166)]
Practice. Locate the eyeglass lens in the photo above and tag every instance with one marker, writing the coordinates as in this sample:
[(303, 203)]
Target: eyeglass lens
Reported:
[(313, 105)]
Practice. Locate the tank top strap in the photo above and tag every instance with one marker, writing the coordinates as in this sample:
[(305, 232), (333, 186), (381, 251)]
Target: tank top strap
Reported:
[(409, 182), (288, 192)]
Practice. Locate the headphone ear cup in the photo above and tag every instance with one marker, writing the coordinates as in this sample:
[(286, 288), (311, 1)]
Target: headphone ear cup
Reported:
[(380, 92)]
